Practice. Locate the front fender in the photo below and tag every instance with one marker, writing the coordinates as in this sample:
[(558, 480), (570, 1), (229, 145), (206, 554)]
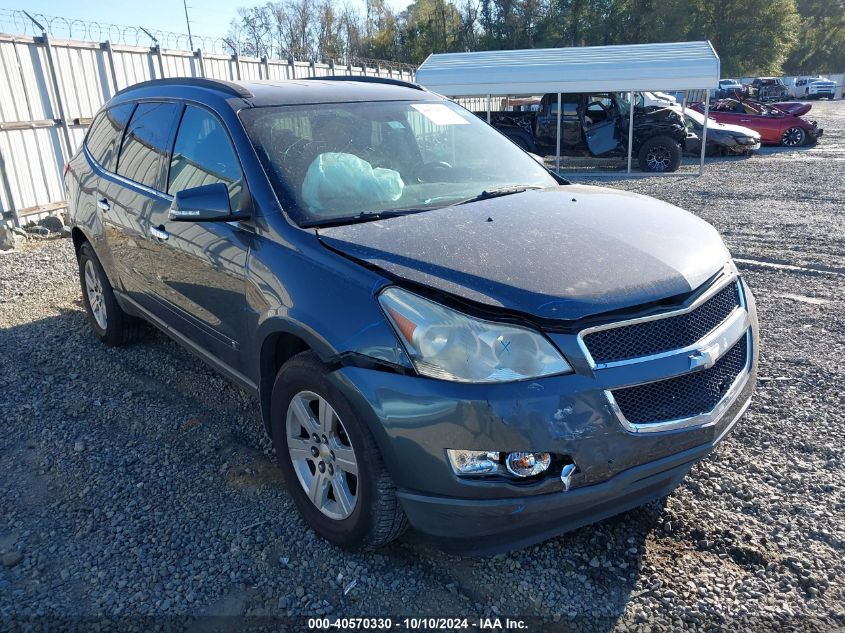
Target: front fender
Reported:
[(305, 296)]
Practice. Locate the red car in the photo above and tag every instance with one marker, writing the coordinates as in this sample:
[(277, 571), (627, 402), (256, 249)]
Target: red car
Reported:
[(777, 124)]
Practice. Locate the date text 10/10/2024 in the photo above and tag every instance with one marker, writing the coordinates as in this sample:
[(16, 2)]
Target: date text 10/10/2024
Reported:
[(425, 623)]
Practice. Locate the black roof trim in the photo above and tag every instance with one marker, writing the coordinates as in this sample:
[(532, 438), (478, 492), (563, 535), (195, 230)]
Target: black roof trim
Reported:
[(213, 84), (368, 79)]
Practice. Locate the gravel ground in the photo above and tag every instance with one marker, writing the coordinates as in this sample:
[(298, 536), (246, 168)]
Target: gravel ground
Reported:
[(137, 482)]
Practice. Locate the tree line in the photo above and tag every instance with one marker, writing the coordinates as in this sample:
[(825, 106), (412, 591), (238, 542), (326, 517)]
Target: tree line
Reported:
[(752, 37)]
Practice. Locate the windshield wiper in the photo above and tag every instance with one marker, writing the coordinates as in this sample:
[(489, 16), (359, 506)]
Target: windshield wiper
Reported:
[(364, 216), (369, 216), (495, 193)]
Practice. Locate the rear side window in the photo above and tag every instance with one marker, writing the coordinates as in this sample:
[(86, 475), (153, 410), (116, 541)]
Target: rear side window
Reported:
[(203, 155), (145, 143), (104, 136)]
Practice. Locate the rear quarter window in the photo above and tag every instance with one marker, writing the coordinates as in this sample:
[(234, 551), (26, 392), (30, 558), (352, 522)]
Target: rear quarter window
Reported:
[(145, 144), (103, 139)]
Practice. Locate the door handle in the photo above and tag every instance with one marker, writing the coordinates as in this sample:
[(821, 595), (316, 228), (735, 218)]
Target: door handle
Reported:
[(159, 233), (103, 204), (745, 120)]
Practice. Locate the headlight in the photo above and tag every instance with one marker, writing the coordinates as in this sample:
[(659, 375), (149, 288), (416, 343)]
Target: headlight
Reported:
[(446, 344)]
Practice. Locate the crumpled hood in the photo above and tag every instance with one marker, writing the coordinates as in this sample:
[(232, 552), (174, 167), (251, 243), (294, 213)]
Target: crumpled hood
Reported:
[(560, 253), (732, 129)]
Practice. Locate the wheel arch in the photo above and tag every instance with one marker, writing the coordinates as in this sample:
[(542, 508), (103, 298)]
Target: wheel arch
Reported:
[(281, 340), (79, 238)]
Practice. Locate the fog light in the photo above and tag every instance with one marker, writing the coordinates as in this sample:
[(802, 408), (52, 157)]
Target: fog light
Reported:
[(473, 462), (527, 464)]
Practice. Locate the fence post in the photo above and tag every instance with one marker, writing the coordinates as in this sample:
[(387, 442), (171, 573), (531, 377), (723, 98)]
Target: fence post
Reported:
[(44, 39), (200, 61), (106, 46), (7, 188), (157, 50), (237, 59)]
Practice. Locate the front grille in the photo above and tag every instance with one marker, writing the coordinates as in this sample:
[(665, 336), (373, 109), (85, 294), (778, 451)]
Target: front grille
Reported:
[(684, 396), (662, 335)]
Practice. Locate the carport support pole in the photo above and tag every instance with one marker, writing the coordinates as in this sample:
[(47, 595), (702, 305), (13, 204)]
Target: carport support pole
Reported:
[(488, 109), (704, 134), (557, 151), (630, 130)]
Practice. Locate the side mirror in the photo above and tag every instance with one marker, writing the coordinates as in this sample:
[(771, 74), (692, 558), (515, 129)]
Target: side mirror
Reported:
[(208, 203)]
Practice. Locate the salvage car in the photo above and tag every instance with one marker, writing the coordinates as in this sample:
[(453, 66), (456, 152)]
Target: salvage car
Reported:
[(766, 89), (776, 126), (723, 139), (596, 124), (440, 332)]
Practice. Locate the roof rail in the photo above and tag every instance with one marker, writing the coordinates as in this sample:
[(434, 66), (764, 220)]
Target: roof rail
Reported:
[(369, 79), (229, 87)]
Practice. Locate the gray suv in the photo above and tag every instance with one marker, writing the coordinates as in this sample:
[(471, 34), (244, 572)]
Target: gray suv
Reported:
[(440, 332)]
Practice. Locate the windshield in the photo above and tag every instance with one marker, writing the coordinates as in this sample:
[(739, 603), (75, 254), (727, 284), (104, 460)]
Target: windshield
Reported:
[(332, 162)]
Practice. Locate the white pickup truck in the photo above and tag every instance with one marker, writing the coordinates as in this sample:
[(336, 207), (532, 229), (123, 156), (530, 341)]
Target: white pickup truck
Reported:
[(812, 88)]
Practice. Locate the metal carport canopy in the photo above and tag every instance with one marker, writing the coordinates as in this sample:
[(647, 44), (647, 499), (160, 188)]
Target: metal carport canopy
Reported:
[(678, 66), (638, 67)]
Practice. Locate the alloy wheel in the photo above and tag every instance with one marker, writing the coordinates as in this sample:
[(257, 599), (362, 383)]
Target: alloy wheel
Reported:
[(658, 158), (793, 136), (322, 455), (94, 290)]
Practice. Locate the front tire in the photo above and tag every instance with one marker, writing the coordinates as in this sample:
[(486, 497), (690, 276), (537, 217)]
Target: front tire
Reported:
[(793, 137), (660, 154), (108, 320), (329, 459)]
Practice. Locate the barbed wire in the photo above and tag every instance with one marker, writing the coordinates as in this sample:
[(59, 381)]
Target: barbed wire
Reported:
[(18, 22)]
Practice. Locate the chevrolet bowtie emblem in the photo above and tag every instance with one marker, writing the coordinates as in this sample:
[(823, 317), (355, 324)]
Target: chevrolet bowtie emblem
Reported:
[(702, 359)]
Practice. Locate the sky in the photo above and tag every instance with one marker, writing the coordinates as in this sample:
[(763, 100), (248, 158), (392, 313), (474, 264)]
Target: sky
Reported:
[(208, 17)]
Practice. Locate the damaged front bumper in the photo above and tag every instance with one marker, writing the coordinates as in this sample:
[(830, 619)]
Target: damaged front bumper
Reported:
[(491, 526), (620, 464)]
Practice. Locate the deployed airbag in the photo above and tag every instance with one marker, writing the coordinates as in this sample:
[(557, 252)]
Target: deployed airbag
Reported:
[(337, 182)]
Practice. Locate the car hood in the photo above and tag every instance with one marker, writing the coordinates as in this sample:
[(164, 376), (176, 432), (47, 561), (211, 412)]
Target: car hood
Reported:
[(794, 107), (732, 129), (560, 253)]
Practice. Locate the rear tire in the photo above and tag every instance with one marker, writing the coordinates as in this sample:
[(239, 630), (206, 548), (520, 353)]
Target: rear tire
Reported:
[(108, 320), (320, 440), (660, 154)]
